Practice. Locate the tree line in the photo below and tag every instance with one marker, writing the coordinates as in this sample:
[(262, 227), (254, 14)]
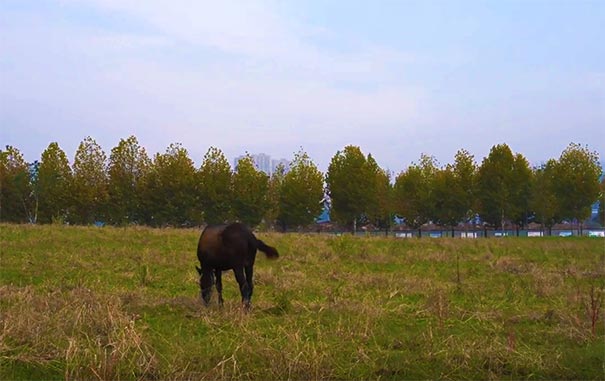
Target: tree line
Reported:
[(129, 187)]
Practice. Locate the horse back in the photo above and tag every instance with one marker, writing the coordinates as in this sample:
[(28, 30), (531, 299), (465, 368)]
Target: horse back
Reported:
[(210, 242)]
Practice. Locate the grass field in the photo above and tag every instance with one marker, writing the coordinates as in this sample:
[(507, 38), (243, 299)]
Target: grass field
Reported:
[(123, 303)]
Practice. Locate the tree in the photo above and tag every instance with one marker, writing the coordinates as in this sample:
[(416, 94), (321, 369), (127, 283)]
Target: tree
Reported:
[(53, 180), (250, 187), (521, 183), (449, 198), (301, 193), (465, 174), (89, 183), (215, 191), (496, 186), (380, 211), (128, 165), (273, 194), (414, 192), (543, 200), (169, 190), (15, 186), (350, 186), (454, 191), (577, 182), (602, 202)]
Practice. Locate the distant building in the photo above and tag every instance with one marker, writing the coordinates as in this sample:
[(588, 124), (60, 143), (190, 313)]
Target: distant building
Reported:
[(263, 162), (276, 163)]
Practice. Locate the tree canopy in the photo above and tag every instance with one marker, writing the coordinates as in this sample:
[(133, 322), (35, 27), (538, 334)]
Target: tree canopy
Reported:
[(301, 193), (130, 188), (89, 183), (351, 185), (250, 188), (128, 166), (53, 181), (214, 182), (414, 192), (577, 181)]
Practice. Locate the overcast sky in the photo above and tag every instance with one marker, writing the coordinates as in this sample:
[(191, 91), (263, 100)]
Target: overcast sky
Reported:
[(397, 78)]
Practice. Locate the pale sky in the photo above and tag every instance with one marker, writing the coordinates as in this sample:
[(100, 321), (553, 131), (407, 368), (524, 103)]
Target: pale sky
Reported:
[(397, 78)]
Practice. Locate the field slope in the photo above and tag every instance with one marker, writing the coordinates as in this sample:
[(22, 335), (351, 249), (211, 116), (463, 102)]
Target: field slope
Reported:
[(123, 303)]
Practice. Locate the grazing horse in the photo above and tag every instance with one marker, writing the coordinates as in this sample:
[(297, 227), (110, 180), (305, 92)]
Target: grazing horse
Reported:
[(229, 247)]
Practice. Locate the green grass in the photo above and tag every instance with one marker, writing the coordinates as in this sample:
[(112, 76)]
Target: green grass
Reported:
[(123, 303)]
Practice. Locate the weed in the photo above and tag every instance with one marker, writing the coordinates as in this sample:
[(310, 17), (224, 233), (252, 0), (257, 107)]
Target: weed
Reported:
[(594, 306)]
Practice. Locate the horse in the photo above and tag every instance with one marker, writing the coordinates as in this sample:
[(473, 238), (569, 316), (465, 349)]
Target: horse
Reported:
[(229, 247)]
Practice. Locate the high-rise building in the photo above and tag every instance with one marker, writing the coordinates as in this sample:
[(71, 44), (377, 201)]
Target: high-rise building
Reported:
[(275, 163), (263, 162)]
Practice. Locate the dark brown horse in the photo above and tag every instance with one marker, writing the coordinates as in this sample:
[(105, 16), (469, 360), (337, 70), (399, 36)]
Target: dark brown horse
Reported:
[(229, 247)]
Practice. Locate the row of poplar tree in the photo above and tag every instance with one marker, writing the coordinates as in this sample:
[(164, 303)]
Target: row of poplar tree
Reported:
[(129, 187)]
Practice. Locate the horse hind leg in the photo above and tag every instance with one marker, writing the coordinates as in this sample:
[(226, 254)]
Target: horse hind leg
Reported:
[(244, 288)]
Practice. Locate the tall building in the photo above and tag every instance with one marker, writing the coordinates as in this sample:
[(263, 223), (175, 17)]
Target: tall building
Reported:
[(263, 162), (276, 163)]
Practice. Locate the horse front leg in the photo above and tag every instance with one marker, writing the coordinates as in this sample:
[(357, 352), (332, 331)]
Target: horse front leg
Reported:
[(219, 286), (249, 273), (206, 283), (244, 288)]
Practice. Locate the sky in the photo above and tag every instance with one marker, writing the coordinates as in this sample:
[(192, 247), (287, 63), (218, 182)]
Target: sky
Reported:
[(396, 78)]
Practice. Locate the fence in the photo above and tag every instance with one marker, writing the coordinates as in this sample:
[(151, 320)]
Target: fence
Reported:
[(593, 232)]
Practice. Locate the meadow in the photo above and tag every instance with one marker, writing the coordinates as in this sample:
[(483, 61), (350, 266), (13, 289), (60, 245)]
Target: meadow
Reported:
[(123, 304)]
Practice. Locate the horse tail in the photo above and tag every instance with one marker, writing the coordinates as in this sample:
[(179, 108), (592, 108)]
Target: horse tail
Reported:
[(269, 251)]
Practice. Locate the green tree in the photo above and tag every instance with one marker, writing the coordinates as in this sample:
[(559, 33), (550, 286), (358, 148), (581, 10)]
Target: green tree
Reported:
[(448, 195), (602, 202), (414, 197), (275, 184), (465, 175), (577, 182), (522, 177), (543, 200), (350, 186), (89, 183), (250, 187), (301, 193), (169, 190), (380, 211), (215, 187), (128, 165), (496, 186), (15, 186), (53, 180)]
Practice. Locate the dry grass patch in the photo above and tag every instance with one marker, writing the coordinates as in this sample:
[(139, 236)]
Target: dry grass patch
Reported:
[(87, 335)]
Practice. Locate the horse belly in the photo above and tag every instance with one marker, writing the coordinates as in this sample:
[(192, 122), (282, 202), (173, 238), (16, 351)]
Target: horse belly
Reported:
[(217, 260)]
